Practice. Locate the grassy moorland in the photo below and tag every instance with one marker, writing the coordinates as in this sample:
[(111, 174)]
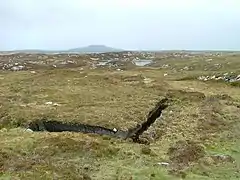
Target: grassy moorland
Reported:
[(197, 137)]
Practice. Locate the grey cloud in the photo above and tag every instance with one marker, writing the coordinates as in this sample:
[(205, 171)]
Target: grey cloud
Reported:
[(152, 24)]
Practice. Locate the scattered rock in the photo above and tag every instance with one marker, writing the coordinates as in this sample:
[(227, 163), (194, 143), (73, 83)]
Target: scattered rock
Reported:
[(171, 112), (29, 130), (163, 163), (209, 60), (220, 158), (225, 77), (56, 104), (186, 68), (49, 103), (147, 80), (165, 65), (3, 130), (17, 68)]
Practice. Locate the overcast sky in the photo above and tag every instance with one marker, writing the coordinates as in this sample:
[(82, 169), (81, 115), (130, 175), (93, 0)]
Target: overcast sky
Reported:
[(128, 24)]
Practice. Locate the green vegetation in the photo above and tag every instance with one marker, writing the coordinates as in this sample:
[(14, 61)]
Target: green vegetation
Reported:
[(198, 134)]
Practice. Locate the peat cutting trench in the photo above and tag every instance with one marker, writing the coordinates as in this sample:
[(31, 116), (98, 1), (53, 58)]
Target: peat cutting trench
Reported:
[(132, 133)]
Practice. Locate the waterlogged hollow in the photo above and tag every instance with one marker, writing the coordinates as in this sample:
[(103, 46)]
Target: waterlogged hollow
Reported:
[(142, 62)]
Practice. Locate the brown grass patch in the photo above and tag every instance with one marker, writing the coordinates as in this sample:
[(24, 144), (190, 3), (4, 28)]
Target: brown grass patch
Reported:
[(186, 95), (182, 153)]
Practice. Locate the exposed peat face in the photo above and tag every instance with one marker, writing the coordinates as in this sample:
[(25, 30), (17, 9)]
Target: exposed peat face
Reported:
[(133, 133)]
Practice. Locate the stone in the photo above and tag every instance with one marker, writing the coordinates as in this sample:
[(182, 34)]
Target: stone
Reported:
[(29, 130), (49, 103), (163, 163)]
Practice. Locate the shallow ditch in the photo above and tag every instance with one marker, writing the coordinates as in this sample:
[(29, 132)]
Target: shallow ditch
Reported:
[(132, 133)]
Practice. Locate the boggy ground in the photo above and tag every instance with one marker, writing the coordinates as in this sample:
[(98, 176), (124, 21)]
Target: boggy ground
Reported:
[(197, 136)]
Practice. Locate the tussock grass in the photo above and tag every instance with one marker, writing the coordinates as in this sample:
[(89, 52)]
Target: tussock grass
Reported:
[(200, 114)]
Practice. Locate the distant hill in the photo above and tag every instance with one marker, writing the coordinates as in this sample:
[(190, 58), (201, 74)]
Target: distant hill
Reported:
[(82, 50), (95, 49)]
